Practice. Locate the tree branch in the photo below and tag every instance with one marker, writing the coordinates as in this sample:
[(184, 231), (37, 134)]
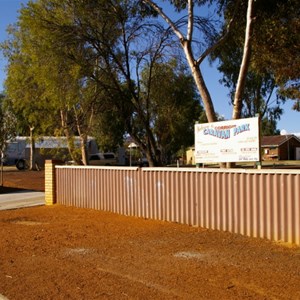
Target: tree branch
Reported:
[(166, 18), (190, 20), (209, 50)]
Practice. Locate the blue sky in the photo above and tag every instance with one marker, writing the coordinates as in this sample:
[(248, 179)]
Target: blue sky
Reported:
[(289, 121)]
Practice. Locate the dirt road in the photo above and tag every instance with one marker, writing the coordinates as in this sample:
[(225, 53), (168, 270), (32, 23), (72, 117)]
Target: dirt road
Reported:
[(14, 180)]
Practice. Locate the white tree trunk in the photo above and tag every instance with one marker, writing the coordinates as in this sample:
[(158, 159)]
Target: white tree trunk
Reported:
[(186, 43), (200, 83), (83, 142), (237, 104), (70, 141)]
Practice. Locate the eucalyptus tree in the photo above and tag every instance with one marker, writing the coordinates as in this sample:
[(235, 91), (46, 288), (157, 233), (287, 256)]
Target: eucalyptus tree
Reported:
[(88, 58), (139, 45), (267, 34), (23, 91), (197, 34), (276, 45), (57, 57), (274, 67), (260, 96), (111, 43), (148, 93)]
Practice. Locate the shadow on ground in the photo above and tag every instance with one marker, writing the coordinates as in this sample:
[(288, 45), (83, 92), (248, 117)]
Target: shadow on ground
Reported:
[(7, 190)]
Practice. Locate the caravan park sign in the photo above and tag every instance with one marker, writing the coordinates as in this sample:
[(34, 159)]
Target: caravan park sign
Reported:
[(227, 141)]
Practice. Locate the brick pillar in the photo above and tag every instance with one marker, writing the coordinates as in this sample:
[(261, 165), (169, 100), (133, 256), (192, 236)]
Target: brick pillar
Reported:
[(50, 181)]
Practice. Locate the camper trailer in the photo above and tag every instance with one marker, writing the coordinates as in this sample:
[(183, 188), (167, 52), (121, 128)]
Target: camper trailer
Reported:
[(15, 152), (18, 150)]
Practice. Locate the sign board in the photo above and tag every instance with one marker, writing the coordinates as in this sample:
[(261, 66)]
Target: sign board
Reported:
[(227, 141)]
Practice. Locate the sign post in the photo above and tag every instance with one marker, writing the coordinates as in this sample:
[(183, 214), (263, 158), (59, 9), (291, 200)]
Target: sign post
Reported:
[(131, 145)]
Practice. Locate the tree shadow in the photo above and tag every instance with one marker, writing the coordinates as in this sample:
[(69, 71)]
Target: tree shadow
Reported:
[(8, 190)]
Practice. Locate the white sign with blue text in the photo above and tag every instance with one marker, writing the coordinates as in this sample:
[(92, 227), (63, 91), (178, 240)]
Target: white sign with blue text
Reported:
[(227, 141)]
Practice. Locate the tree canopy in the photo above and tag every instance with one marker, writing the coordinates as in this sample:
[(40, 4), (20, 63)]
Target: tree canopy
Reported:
[(262, 35), (91, 66), (87, 62), (273, 74)]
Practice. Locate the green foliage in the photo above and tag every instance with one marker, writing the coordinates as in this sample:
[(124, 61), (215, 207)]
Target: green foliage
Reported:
[(277, 38), (52, 79), (56, 153), (7, 123), (269, 127), (275, 58), (22, 87), (175, 107), (80, 69), (108, 130), (274, 68)]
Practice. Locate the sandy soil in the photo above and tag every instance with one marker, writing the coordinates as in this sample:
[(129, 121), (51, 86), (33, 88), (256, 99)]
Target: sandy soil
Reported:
[(59, 252)]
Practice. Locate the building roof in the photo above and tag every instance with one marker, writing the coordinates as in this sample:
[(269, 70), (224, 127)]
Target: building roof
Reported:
[(276, 140)]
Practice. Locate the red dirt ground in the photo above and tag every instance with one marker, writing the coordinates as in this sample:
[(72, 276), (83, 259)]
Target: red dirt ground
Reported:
[(57, 252), (14, 180)]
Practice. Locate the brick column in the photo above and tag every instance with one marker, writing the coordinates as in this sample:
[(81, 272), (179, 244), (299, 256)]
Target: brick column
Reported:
[(50, 181)]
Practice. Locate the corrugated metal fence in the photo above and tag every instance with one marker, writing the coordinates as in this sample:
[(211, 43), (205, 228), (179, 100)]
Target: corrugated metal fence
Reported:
[(257, 203)]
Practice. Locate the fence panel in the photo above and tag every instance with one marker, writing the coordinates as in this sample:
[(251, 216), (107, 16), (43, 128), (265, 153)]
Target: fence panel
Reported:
[(256, 203)]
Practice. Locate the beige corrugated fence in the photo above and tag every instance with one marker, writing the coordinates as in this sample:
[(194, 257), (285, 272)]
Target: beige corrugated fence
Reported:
[(256, 203)]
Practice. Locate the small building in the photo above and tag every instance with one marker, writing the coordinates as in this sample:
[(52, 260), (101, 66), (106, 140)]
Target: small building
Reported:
[(280, 147)]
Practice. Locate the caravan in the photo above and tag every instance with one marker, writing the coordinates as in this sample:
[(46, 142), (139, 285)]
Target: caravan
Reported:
[(15, 152), (18, 150)]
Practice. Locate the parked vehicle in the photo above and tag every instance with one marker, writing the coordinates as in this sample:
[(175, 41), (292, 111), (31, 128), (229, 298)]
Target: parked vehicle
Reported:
[(143, 162), (17, 151), (103, 159)]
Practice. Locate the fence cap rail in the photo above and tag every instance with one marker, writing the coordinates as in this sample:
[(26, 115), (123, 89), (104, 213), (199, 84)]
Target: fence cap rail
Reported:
[(182, 169), (97, 167), (234, 170)]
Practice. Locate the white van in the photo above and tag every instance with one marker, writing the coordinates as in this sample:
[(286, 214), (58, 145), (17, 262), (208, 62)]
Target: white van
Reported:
[(103, 159)]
